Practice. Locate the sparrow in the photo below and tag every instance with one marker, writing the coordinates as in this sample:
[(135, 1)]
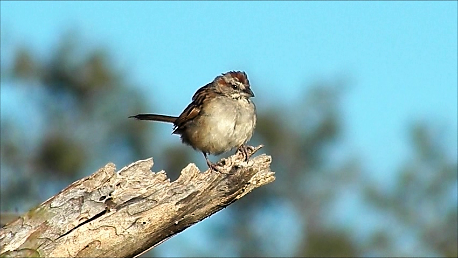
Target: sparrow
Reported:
[(220, 117)]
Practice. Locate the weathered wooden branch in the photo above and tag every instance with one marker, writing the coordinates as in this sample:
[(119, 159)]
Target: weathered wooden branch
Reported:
[(110, 214)]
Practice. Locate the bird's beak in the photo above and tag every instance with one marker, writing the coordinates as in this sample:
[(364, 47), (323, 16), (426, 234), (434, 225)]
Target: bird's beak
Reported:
[(249, 92)]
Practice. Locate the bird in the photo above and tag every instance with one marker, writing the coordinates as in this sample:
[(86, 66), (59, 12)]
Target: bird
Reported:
[(220, 117)]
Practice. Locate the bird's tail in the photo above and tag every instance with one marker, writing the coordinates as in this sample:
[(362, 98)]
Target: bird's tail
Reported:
[(155, 117)]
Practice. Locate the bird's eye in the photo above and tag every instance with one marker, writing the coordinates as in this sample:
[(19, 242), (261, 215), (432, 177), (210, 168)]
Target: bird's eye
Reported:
[(235, 86)]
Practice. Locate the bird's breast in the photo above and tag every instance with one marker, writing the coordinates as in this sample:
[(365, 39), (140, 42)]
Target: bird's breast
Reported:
[(222, 125)]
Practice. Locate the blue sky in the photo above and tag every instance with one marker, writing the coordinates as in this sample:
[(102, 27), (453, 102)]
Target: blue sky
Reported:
[(399, 58)]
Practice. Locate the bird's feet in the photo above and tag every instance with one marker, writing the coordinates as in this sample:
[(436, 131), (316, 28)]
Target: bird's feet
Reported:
[(213, 166), (247, 151), (244, 151)]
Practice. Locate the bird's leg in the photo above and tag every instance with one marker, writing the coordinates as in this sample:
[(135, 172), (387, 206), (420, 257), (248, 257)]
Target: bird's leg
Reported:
[(244, 150), (209, 164), (247, 151)]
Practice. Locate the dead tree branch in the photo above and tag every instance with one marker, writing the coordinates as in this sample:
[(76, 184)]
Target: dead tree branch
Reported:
[(126, 213)]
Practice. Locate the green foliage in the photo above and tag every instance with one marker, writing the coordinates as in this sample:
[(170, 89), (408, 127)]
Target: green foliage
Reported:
[(424, 197), (60, 156)]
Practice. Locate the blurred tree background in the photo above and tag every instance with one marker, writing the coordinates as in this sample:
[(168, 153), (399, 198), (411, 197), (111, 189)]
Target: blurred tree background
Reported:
[(71, 119)]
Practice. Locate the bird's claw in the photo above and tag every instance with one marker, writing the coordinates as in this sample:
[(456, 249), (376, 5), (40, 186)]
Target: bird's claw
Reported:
[(247, 151)]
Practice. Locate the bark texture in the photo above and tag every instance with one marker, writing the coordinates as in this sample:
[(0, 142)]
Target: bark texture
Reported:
[(126, 213)]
